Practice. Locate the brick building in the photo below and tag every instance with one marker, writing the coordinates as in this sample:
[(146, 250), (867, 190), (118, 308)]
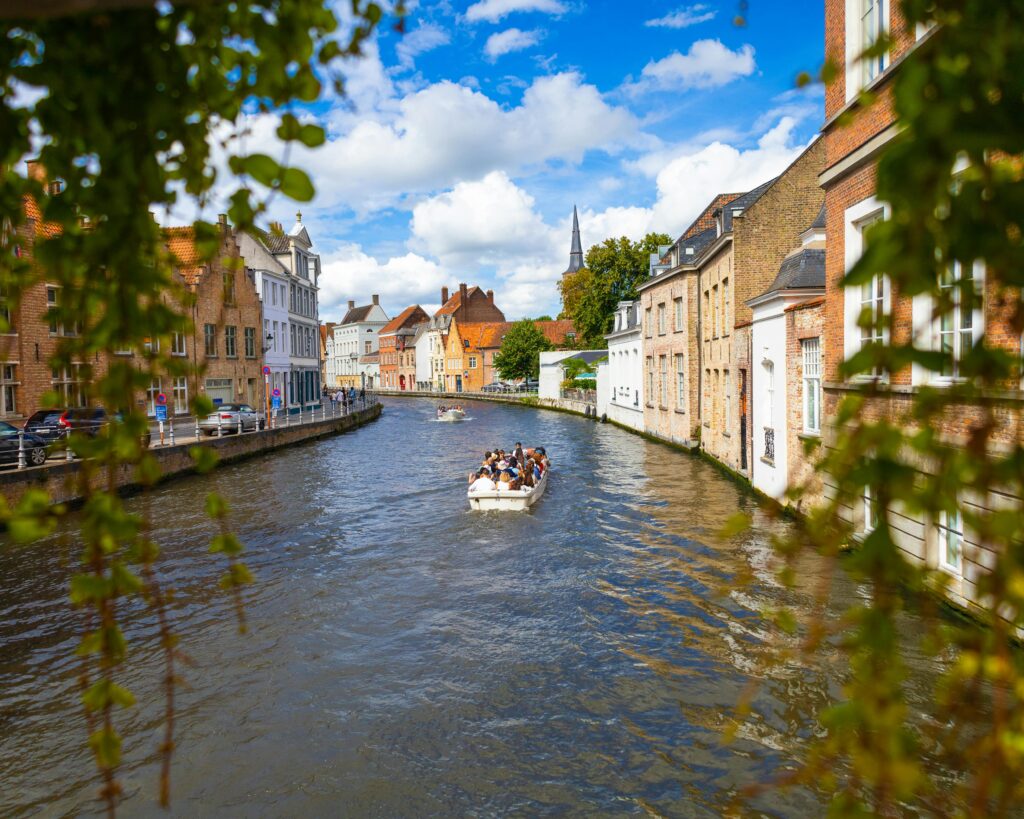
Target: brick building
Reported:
[(854, 134), (471, 348), (395, 349)]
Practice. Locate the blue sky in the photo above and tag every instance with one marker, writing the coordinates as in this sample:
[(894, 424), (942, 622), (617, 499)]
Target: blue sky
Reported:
[(464, 144)]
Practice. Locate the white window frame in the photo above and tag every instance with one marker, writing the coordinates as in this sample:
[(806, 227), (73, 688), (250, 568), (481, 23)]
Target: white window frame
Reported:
[(868, 510), (810, 349), (861, 73), (950, 529), (727, 408), (928, 331), (661, 319), (678, 301), (856, 219), (680, 381), (663, 395), (9, 384)]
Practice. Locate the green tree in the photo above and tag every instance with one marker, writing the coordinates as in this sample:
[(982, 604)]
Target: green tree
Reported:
[(954, 180), (614, 270), (136, 99), (519, 356)]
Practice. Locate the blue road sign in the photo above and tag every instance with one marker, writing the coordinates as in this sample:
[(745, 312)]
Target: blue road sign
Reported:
[(161, 412), (275, 402)]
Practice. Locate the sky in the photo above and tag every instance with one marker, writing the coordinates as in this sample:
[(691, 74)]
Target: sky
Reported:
[(461, 147)]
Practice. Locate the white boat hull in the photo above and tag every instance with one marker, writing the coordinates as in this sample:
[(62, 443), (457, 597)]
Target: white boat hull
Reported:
[(518, 501), (451, 415)]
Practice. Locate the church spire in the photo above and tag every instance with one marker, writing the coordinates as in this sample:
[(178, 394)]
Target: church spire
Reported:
[(576, 251)]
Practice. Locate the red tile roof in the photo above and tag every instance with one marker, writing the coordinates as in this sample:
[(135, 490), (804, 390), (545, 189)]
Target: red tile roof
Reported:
[(455, 301), (488, 335), (407, 316), (181, 243)]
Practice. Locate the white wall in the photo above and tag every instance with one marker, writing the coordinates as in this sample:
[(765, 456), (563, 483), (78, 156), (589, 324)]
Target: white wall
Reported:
[(552, 374), (625, 381), (769, 343), (424, 357)]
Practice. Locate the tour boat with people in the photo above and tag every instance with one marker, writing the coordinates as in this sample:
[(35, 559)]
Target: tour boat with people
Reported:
[(450, 414), (495, 490)]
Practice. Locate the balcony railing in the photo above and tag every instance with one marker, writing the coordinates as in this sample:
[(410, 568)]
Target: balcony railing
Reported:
[(769, 444)]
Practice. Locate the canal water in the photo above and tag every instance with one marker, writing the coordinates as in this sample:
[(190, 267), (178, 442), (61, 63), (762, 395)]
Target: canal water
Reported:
[(407, 657)]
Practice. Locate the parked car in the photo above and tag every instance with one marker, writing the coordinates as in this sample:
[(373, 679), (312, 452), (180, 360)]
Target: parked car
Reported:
[(53, 425), (35, 446), (497, 386), (226, 416)]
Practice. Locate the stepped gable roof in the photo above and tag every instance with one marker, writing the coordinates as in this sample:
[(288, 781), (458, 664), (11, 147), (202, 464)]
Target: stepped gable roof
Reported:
[(803, 270), (181, 242), (455, 301), (47, 230), (399, 321), (357, 314)]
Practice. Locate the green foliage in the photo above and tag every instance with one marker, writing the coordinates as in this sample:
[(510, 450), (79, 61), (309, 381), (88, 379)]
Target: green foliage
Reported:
[(614, 269), (953, 180), (519, 356), (122, 143)]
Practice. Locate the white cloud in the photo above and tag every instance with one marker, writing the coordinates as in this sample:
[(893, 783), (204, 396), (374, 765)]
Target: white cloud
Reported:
[(684, 17), (514, 39), (420, 40), (350, 273), (446, 132), (492, 11), (708, 64), (482, 222)]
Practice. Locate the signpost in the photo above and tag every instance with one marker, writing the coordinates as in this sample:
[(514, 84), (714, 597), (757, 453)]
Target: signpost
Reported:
[(275, 404), (266, 394), (160, 410)]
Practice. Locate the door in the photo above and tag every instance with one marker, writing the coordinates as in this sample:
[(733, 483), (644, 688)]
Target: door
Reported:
[(458, 383), (219, 391), (743, 419)]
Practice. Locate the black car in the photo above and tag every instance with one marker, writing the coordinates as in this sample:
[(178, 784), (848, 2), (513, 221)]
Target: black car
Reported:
[(54, 424), (35, 447)]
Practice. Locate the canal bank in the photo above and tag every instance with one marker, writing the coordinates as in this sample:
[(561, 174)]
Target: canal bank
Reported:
[(62, 481), (584, 408)]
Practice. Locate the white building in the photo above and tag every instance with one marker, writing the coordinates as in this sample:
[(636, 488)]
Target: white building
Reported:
[(620, 380), (354, 338), (369, 370), (785, 362), (437, 333), (552, 369), (424, 342), (272, 283), (294, 251)]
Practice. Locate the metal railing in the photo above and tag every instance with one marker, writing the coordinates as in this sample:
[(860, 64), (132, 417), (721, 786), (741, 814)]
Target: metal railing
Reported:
[(327, 410), (508, 392)]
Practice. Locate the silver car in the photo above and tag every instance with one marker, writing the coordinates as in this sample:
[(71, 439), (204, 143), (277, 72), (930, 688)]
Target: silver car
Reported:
[(227, 416)]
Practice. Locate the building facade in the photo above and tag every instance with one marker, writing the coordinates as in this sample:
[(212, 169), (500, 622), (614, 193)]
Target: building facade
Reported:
[(354, 337), (393, 339), (424, 342), (785, 368), (624, 371)]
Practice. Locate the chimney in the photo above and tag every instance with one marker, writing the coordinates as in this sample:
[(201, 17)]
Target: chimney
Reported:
[(444, 295), (222, 219), (490, 296), (462, 292), (376, 299), (351, 305)]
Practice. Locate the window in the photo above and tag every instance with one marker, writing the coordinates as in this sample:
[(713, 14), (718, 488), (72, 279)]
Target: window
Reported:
[(707, 314), (231, 342), (151, 394), (368, 347), (663, 398), (6, 323), (293, 350), (647, 322), (229, 287), (8, 390), (957, 325), (811, 349), (679, 315), (291, 298), (870, 511), (680, 381), (727, 411), (714, 306), (472, 362), (250, 342), (66, 382), (178, 344), (951, 541), (51, 303), (769, 396), (650, 378), (725, 307), (210, 339), (661, 319), (874, 24), (866, 306)]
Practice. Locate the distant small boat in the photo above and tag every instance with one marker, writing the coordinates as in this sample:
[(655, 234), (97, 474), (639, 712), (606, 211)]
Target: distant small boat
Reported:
[(450, 415), (518, 500)]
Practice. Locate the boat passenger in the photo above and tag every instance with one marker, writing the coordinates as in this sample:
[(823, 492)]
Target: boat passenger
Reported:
[(504, 482), (483, 483)]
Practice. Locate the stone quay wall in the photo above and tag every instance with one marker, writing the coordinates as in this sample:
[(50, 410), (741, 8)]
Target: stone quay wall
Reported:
[(63, 480)]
